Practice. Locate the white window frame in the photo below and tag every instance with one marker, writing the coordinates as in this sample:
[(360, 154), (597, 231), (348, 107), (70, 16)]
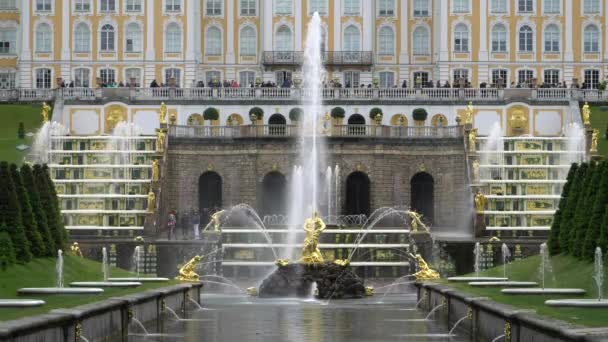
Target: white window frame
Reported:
[(217, 11), (423, 48), (127, 78), (549, 6), (463, 46), (80, 4), (384, 77), (170, 45), (528, 4), (248, 81), (8, 79), (213, 49), (551, 73), (320, 6), (248, 48), (245, 11), (108, 2), (8, 5), (79, 42), (279, 7), (8, 35), (101, 39), (137, 40), (458, 73), (113, 70), (349, 45), (595, 45), (553, 39), (420, 8), (352, 7), (499, 71), (42, 5), (130, 6), (591, 7), (172, 70), (503, 8), (529, 75), (504, 38), (386, 8), (79, 80), (461, 6), (50, 80), (598, 80), (386, 46), (529, 48), (47, 43), (173, 6), (279, 47)]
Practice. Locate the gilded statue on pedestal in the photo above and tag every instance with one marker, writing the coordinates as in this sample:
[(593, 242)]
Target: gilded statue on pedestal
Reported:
[(216, 221), (480, 202), (75, 249), (472, 138), (594, 140), (160, 141), (475, 171), (155, 171), (162, 113), (46, 110), (173, 118), (313, 226), (151, 201), (186, 272), (586, 114), (424, 271), (468, 114), (416, 221)]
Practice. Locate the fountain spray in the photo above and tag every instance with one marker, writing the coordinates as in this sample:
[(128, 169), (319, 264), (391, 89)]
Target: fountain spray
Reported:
[(59, 269), (599, 273), (506, 254), (477, 252), (105, 269)]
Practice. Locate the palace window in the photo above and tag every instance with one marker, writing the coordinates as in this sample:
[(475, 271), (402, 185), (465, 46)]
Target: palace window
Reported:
[(421, 8), (44, 38), (213, 43), (246, 78), (107, 38), (284, 40), (7, 5), (352, 7), (133, 6), (82, 78), (82, 38), (319, 6), (387, 79), (592, 78), (524, 77), (108, 6), (460, 6), (461, 38), (214, 7), (386, 41), (351, 79), (387, 8), (460, 74), (421, 41), (248, 41), (526, 39), (423, 76), (43, 78), (552, 38), (44, 5), (352, 39), (175, 74), (551, 76), (551, 6), (591, 6), (173, 5), (212, 76), (7, 79), (108, 76), (591, 39), (498, 6), (499, 77), (525, 6), (499, 38), (133, 77), (173, 38), (8, 41), (133, 38), (282, 7), (248, 7), (82, 6)]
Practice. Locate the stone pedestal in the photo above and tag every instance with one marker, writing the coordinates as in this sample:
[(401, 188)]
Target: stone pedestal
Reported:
[(480, 224)]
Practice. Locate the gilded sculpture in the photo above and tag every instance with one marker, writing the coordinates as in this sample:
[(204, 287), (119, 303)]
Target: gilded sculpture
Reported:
[(186, 272), (424, 271), (46, 111), (155, 171), (151, 201), (281, 262), (480, 202), (468, 114), (160, 141), (216, 221), (475, 171), (313, 227), (75, 249), (173, 118), (162, 113), (472, 138), (369, 291), (416, 221), (594, 140), (586, 114)]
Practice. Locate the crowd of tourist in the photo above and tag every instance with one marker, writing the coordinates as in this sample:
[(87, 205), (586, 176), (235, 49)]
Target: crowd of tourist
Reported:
[(187, 225)]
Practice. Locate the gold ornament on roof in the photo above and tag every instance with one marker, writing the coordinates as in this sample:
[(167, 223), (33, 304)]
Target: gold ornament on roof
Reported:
[(424, 271), (586, 114), (472, 138), (594, 140), (162, 113), (46, 111), (313, 227), (186, 272)]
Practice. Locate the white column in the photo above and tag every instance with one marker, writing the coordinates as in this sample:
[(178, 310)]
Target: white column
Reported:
[(190, 72), (569, 54), (150, 67), (368, 25), (298, 17), (482, 71), (444, 53), (605, 28), (337, 26), (230, 19), (65, 41), (24, 77), (267, 22), (404, 34)]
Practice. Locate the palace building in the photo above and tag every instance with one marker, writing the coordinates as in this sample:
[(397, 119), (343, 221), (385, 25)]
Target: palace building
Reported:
[(186, 42)]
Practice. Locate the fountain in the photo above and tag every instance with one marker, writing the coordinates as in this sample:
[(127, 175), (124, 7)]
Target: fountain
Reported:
[(105, 270), (43, 144), (506, 253), (477, 277), (136, 262)]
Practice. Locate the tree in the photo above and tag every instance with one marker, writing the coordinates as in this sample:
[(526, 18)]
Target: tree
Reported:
[(603, 239), (48, 208), (554, 246), (56, 205), (10, 215), (420, 114), (21, 131), (583, 210), (7, 252), (596, 229), (39, 215), (295, 114), (338, 113), (375, 112), (568, 214), (211, 114), (27, 216)]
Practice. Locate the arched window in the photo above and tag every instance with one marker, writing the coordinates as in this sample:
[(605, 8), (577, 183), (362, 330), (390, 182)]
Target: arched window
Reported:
[(461, 38), (209, 195), (526, 39), (352, 39), (274, 194), (277, 122), (386, 41), (499, 38), (82, 38), (133, 38), (591, 39), (356, 124), (422, 195), (107, 38), (284, 41), (357, 194), (248, 41), (213, 43), (552, 38), (173, 38), (421, 41), (44, 38)]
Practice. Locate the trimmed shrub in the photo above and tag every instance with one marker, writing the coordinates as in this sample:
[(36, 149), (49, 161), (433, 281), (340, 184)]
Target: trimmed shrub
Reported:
[(338, 113), (21, 131), (420, 114), (39, 215), (56, 205), (211, 114), (7, 252), (295, 114), (10, 215), (553, 243), (373, 112), (259, 112), (27, 216), (603, 238), (596, 235), (53, 219), (583, 210), (567, 220)]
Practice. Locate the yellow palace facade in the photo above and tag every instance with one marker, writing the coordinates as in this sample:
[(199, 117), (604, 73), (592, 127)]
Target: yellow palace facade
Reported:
[(186, 42)]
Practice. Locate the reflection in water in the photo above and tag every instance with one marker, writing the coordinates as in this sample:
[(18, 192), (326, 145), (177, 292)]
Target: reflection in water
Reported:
[(295, 320)]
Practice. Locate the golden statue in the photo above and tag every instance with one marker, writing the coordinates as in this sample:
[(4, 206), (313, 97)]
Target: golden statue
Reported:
[(325, 126), (424, 271), (151, 201), (468, 114), (342, 262), (480, 202), (155, 171), (75, 248), (252, 291), (416, 222), (186, 272), (472, 138), (46, 110), (160, 141), (281, 262), (313, 226), (594, 140), (173, 118), (476, 170), (215, 221), (162, 113), (369, 291), (586, 114)]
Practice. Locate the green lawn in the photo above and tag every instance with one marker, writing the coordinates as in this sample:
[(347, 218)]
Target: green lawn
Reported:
[(41, 273), (599, 120), (10, 116), (568, 272)]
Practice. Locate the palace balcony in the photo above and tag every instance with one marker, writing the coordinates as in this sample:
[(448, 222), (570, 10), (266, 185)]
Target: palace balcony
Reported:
[(294, 58)]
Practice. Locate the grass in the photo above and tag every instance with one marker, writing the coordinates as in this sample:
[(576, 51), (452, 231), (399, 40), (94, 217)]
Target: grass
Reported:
[(568, 272), (599, 120), (41, 273), (10, 117)]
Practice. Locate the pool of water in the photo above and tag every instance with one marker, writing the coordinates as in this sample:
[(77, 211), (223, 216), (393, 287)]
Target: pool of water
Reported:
[(235, 318)]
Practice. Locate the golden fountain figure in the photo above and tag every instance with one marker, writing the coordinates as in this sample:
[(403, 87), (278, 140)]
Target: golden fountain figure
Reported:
[(594, 140), (586, 114), (75, 249), (186, 272), (162, 113), (425, 272), (151, 201), (468, 114), (215, 221), (480, 202), (416, 222), (46, 110), (155, 171), (160, 141), (313, 226), (472, 138)]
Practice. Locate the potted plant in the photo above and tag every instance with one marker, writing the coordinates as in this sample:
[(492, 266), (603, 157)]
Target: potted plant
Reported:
[(211, 114), (295, 114), (375, 82), (338, 113), (258, 81), (420, 114), (376, 115), (255, 114)]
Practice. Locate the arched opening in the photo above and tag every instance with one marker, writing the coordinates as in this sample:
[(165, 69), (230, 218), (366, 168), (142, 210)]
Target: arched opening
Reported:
[(422, 195), (209, 195), (277, 124), (274, 194), (357, 194), (356, 124)]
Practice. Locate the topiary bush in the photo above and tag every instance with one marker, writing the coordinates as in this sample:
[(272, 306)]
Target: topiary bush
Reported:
[(420, 114), (373, 112), (295, 114), (257, 111), (7, 252), (211, 114), (338, 113), (39, 216), (553, 243), (10, 215), (27, 216)]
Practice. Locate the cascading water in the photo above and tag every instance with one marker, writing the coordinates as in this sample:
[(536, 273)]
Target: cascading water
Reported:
[(545, 269), (329, 189), (59, 269), (506, 254), (43, 144), (136, 260), (123, 140), (105, 268), (477, 253), (296, 214), (494, 144), (599, 273), (575, 144)]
